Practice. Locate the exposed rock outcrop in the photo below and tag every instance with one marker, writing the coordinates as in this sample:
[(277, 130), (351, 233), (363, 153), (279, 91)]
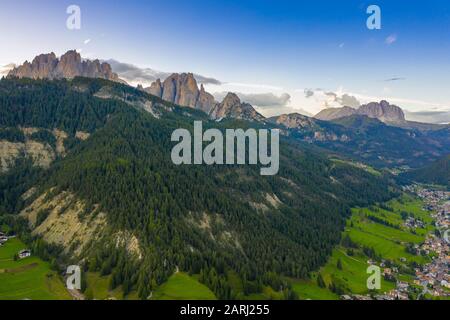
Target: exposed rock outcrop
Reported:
[(70, 65), (40, 152), (206, 101), (65, 220), (309, 125), (182, 89), (42, 155), (383, 111)]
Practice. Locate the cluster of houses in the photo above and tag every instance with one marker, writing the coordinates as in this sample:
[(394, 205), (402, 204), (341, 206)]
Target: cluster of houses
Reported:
[(3, 238), (413, 223), (21, 254), (24, 254), (434, 277)]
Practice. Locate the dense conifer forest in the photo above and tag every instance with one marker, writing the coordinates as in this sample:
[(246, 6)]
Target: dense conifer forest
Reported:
[(124, 169)]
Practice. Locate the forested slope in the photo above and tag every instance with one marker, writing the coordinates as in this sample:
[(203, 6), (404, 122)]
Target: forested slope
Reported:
[(204, 220)]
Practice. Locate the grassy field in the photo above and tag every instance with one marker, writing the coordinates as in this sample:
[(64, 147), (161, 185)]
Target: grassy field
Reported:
[(236, 285), (353, 277), (29, 278), (181, 286), (98, 289), (388, 242), (32, 278), (309, 290)]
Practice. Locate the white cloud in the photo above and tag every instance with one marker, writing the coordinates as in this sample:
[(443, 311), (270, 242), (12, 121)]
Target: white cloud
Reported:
[(429, 116), (135, 75), (4, 70), (391, 39), (87, 41), (261, 100)]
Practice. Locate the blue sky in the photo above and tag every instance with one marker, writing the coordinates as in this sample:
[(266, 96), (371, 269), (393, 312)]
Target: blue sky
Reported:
[(256, 47)]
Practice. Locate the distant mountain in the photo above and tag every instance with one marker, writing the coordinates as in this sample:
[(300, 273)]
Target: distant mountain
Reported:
[(436, 173), (70, 65), (335, 113), (368, 139), (382, 111)]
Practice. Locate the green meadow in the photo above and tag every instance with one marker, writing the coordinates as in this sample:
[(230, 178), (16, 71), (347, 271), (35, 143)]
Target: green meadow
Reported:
[(388, 240), (181, 286), (98, 288), (32, 278), (29, 278)]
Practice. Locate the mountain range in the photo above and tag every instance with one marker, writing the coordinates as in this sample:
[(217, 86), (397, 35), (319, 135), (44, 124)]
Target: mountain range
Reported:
[(369, 133), (86, 178), (110, 198), (183, 89), (69, 65)]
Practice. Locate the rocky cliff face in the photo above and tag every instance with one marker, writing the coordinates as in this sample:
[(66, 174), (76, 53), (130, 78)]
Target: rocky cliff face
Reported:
[(182, 89), (206, 101), (382, 111), (231, 107), (70, 65), (155, 89)]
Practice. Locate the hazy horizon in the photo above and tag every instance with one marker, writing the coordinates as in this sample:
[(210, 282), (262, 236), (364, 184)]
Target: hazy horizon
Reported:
[(287, 56)]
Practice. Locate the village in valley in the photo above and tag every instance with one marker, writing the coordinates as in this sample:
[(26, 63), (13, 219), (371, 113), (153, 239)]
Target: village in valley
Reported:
[(436, 275), (431, 280)]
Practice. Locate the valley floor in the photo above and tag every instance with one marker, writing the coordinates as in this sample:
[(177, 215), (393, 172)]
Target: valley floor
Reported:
[(400, 237), (28, 278)]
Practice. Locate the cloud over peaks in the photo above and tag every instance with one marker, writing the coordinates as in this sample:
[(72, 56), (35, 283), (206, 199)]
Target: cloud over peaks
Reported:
[(145, 76)]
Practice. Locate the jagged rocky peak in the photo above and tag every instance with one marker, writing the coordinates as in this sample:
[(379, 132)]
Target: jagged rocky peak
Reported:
[(41, 66), (231, 107), (70, 65), (155, 88), (230, 100), (229, 104), (205, 101), (182, 89)]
